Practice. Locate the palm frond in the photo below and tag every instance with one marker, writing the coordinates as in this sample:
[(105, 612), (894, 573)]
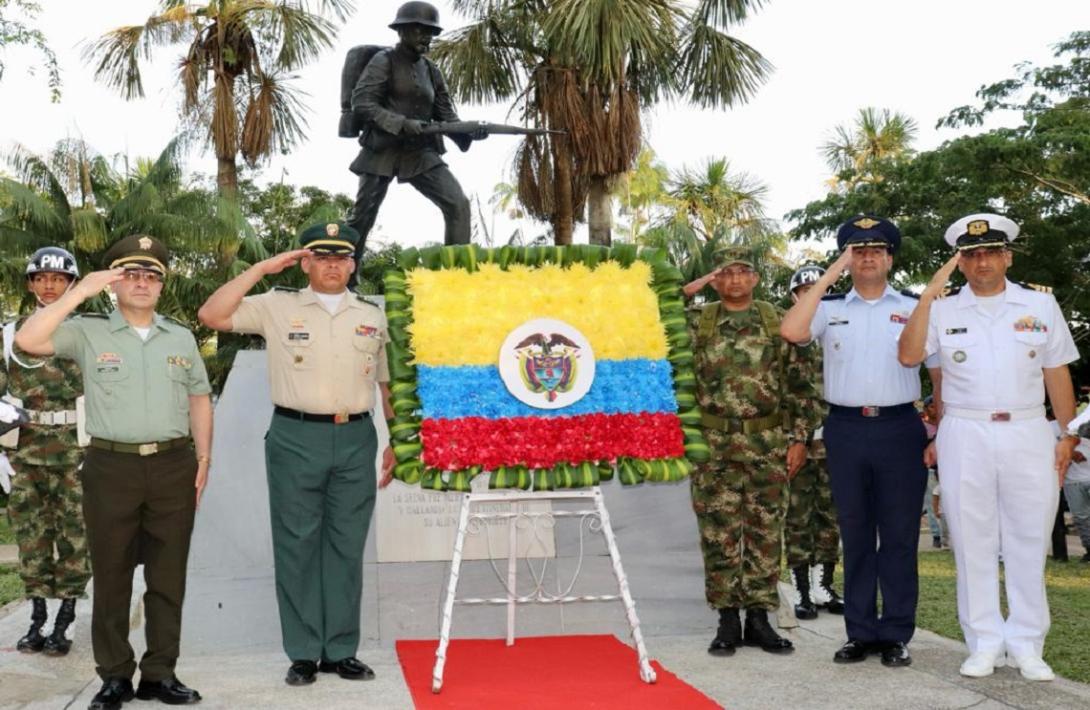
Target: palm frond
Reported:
[(719, 70), (726, 12), (477, 65), (27, 209), (273, 120)]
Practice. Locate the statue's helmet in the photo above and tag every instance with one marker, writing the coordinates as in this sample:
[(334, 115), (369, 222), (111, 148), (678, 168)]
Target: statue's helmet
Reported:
[(52, 259), (417, 13)]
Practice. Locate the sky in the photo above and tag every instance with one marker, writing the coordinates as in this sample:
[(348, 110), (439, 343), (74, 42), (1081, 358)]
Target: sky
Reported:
[(831, 58)]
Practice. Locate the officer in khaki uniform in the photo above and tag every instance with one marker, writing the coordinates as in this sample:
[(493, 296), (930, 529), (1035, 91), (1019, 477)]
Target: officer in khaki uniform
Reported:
[(326, 351), (147, 395)]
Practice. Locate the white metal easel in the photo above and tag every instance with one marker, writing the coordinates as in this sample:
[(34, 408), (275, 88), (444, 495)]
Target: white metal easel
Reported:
[(595, 518)]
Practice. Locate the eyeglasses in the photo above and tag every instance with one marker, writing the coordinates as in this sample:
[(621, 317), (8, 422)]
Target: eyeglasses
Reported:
[(137, 276)]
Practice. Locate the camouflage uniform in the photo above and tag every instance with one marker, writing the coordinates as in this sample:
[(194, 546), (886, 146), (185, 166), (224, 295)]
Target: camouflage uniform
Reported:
[(811, 536), (45, 505), (740, 495)]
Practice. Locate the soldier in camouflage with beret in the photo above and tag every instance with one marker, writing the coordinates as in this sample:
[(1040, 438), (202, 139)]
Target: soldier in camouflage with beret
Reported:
[(758, 407), (811, 537), (45, 500)]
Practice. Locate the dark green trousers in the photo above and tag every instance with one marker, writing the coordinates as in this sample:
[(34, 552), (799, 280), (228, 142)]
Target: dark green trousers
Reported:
[(138, 509), (321, 496)]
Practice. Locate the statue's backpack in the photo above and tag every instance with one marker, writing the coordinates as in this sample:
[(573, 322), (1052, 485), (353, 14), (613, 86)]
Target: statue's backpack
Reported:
[(354, 63)]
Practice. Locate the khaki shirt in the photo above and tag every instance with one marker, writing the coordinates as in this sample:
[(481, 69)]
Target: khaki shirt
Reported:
[(137, 390), (320, 363)]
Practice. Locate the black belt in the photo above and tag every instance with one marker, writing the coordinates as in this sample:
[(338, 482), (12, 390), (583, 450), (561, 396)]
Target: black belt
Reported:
[(154, 447), (872, 412), (340, 418)]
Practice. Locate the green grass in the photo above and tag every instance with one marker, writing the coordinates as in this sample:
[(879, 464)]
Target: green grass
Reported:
[(7, 537), (1066, 647), (11, 586)]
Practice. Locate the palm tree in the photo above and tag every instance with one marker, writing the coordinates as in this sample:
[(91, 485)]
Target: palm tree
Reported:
[(852, 152), (235, 72), (711, 199), (74, 198), (588, 67)]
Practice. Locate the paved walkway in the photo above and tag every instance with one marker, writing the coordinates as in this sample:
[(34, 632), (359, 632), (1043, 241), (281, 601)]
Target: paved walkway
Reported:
[(751, 679)]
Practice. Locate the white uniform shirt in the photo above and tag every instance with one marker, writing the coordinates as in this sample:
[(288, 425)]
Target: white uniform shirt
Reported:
[(995, 363), (859, 342)]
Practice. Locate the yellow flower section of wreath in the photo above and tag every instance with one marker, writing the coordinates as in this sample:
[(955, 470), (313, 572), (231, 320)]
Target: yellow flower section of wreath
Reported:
[(462, 318)]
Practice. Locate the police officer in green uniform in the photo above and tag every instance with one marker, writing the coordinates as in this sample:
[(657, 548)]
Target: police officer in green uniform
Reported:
[(757, 408), (150, 421), (326, 351), (45, 502)]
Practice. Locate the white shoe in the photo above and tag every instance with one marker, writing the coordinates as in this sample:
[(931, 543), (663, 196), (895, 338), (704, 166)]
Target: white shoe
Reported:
[(1033, 668), (980, 664)]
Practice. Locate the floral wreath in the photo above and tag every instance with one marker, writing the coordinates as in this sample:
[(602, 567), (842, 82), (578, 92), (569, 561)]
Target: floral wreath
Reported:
[(449, 309)]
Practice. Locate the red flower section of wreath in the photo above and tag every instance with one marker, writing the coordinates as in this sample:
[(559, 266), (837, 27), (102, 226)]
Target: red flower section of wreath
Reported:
[(542, 442)]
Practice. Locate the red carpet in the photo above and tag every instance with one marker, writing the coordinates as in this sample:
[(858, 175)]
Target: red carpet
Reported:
[(541, 672)]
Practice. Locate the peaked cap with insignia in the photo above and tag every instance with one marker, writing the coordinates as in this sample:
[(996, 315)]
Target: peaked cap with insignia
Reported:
[(332, 238), (138, 251), (868, 231), (981, 230)]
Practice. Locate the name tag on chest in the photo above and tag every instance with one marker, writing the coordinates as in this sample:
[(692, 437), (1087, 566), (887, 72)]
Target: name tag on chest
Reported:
[(298, 336)]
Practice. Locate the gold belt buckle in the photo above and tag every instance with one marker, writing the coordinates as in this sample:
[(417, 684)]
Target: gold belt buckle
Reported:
[(1001, 416), (147, 449), (340, 417)]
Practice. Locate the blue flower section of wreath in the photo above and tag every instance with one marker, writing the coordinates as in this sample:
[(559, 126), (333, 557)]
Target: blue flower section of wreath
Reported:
[(619, 387)]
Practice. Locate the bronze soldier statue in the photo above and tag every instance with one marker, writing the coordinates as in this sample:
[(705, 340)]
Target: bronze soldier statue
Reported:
[(400, 92)]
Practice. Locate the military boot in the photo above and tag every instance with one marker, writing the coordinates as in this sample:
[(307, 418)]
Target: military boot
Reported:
[(758, 632), (835, 605), (34, 641), (58, 642), (805, 609), (729, 635)]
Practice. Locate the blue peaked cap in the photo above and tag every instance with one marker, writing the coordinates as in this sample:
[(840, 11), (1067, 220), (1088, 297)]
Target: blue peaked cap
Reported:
[(869, 231)]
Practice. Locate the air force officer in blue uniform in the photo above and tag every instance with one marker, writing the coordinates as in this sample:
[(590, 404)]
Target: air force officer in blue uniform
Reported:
[(873, 436)]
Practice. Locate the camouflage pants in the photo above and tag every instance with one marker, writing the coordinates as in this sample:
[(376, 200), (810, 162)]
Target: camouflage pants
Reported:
[(45, 508), (740, 509), (810, 532)]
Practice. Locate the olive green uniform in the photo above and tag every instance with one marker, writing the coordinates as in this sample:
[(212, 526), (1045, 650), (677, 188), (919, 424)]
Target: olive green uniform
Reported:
[(45, 505), (320, 459), (138, 479)]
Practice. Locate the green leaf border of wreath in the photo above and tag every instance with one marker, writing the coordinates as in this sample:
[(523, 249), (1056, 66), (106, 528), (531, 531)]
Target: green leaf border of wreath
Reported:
[(405, 426)]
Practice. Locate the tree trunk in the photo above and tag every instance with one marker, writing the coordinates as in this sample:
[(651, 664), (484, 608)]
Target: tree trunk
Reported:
[(227, 177), (600, 212), (564, 214)]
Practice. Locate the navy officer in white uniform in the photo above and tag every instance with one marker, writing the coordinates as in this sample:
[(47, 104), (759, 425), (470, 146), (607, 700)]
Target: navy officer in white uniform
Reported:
[(1002, 346), (874, 438)]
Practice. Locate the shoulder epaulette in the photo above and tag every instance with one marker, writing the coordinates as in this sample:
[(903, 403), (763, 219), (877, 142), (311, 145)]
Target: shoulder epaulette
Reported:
[(286, 289), (950, 291), (91, 315), (834, 296), (906, 292), (175, 321), (1035, 287), (362, 299)]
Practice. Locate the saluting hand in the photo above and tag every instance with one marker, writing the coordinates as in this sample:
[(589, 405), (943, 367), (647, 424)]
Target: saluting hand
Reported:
[(387, 467), (95, 282), (938, 281), (841, 264), (276, 264)]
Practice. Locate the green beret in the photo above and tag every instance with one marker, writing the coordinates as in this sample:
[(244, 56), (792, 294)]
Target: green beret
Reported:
[(331, 238), (138, 251), (735, 254)]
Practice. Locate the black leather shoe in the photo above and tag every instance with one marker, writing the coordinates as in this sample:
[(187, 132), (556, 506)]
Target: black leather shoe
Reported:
[(805, 609), (301, 673), (853, 652), (729, 635), (758, 632), (348, 668), (169, 691), (113, 693), (896, 654), (33, 641)]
